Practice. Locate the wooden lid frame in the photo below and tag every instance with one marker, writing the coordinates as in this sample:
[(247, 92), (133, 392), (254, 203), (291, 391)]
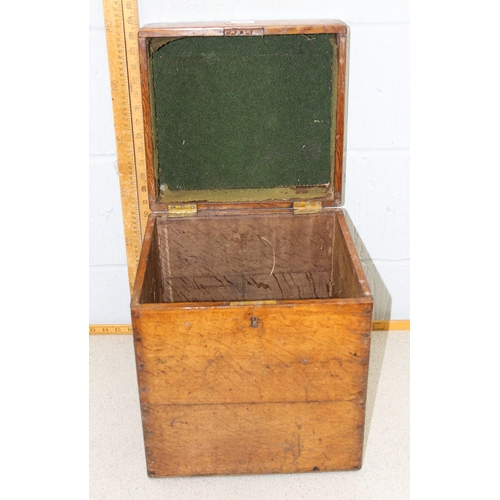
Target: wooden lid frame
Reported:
[(147, 34)]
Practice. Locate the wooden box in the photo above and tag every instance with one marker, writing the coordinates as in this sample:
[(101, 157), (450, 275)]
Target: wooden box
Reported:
[(251, 312)]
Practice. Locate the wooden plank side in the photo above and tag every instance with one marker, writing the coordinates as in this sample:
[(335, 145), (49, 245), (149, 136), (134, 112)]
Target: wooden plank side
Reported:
[(348, 274), (146, 250), (151, 289), (278, 286), (250, 353), (246, 244), (252, 438), (344, 246), (338, 174), (217, 29), (148, 122)]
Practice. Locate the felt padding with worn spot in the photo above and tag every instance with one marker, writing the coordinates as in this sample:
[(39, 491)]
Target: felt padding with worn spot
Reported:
[(243, 112)]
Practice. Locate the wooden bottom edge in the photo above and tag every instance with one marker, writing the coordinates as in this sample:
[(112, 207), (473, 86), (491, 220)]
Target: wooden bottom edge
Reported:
[(387, 325)]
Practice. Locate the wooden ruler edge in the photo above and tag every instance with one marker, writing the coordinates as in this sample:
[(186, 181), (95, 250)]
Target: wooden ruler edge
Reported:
[(378, 326), (121, 24)]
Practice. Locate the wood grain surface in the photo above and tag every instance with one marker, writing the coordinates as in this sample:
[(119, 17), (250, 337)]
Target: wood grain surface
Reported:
[(281, 366), (252, 438), (251, 257), (236, 258), (228, 384), (287, 353), (152, 289), (218, 29), (231, 288), (233, 245)]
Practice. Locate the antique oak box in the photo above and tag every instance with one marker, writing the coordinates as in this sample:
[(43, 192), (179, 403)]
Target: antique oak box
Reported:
[(251, 312)]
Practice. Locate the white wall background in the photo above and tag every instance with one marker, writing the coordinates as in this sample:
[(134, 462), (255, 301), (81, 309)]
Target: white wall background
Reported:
[(378, 140)]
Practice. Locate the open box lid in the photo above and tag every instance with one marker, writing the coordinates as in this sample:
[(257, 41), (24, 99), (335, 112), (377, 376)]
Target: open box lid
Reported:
[(244, 115)]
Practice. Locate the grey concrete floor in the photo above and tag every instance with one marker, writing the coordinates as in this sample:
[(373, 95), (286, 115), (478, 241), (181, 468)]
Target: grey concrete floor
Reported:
[(117, 465)]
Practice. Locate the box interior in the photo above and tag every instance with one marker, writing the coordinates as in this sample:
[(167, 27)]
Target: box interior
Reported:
[(243, 118), (248, 258)]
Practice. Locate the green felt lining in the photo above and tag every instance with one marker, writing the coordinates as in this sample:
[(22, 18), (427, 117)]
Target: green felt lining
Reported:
[(244, 112)]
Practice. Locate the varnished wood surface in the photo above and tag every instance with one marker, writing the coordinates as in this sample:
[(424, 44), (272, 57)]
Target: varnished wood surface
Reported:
[(231, 288), (254, 257), (148, 122), (152, 289), (146, 250), (217, 29), (257, 256), (338, 171), (232, 245), (295, 353), (252, 438), (280, 367), (352, 261), (344, 277)]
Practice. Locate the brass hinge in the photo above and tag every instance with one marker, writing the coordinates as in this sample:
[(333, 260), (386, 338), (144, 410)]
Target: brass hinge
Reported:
[(184, 210), (307, 207)]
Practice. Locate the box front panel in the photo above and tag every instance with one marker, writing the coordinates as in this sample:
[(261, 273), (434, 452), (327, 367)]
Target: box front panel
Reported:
[(252, 438), (254, 354), (217, 379)]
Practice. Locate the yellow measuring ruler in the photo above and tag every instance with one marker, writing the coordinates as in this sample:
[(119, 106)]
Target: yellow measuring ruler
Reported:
[(378, 326), (110, 329), (121, 22)]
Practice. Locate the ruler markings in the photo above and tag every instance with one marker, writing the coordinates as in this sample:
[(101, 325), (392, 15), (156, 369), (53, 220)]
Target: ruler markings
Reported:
[(121, 22), (131, 27), (380, 325), (110, 329)]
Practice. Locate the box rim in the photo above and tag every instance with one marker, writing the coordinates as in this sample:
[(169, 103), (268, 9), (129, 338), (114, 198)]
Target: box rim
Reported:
[(210, 28), (136, 304)]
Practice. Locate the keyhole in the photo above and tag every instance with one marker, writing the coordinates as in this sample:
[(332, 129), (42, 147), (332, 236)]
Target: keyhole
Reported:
[(254, 322)]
